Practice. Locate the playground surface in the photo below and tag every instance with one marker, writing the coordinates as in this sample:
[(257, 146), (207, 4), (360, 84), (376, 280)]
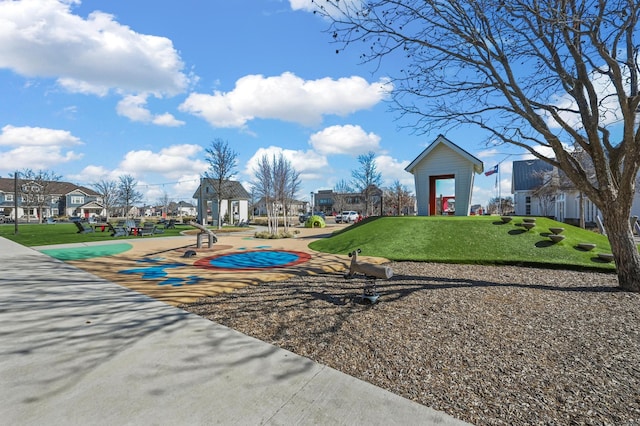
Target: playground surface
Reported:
[(79, 349), (163, 268)]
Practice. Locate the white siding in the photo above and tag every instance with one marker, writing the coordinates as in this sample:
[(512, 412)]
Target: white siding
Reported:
[(444, 161)]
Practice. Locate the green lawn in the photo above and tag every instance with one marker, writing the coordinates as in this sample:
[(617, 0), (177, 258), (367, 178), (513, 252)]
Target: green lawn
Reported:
[(62, 233), (474, 239)]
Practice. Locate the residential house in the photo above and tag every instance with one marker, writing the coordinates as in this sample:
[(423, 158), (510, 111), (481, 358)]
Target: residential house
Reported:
[(562, 202), (56, 199), (295, 207), (185, 209), (235, 201)]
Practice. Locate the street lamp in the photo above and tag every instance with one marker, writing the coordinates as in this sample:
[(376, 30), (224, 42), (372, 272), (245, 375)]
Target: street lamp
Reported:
[(312, 209)]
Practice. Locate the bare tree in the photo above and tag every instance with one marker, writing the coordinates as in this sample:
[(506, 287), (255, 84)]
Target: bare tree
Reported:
[(36, 190), (367, 178), (341, 192), (222, 164), (287, 185), (551, 74), (547, 191), (399, 198), (264, 187), (108, 191), (500, 205), (278, 183), (164, 201), (127, 193)]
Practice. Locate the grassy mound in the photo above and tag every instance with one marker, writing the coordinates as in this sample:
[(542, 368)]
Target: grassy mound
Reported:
[(474, 240)]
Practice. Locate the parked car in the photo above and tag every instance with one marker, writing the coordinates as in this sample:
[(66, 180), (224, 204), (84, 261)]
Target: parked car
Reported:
[(348, 216)]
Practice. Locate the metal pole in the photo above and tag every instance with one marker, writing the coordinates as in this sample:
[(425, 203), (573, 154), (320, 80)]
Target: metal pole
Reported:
[(499, 191), (15, 203)]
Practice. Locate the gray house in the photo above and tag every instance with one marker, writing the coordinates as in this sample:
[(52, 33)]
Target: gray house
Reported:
[(53, 197), (560, 201), (235, 201)]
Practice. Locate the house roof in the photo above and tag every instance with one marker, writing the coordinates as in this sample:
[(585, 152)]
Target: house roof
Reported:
[(92, 205), (527, 175), (232, 190), (54, 187), (478, 166)]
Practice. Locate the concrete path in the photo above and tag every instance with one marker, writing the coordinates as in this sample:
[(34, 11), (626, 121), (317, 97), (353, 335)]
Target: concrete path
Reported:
[(76, 349)]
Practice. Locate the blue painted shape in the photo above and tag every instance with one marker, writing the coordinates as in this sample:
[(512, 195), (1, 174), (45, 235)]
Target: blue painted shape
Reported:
[(193, 279), (174, 282), (254, 259), (150, 260), (152, 272)]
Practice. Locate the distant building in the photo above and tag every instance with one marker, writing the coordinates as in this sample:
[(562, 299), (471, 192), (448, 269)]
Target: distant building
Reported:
[(235, 201), (60, 199), (185, 209), (530, 178), (295, 207)]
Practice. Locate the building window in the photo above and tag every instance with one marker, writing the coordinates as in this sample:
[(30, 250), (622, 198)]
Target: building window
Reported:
[(77, 200), (8, 197), (527, 205)]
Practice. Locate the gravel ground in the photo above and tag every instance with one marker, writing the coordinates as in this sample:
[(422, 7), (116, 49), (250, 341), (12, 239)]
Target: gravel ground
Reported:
[(488, 345)]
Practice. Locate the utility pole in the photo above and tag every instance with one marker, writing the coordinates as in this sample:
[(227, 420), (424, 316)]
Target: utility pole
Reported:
[(15, 203)]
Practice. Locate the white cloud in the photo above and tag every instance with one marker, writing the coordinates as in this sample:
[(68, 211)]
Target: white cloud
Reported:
[(134, 108), (167, 120), (309, 164), (285, 97), (171, 162), (36, 148), (488, 153), (93, 174), (306, 5), (347, 139), (36, 158), (325, 7), (180, 183), (37, 136), (608, 106), (43, 38), (392, 170)]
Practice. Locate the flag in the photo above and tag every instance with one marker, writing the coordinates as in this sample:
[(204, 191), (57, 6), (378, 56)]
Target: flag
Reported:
[(492, 171)]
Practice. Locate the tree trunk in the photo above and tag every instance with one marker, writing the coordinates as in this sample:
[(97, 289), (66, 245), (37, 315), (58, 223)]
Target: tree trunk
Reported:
[(624, 249)]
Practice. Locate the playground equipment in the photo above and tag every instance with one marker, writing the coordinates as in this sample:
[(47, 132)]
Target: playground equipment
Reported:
[(212, 239), (189, 253), (372, 273)]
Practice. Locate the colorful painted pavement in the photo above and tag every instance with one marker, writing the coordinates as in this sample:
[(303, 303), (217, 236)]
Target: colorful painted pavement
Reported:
[(165, 268)]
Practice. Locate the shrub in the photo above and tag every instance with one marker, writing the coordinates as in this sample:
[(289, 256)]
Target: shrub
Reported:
[(270, 236)]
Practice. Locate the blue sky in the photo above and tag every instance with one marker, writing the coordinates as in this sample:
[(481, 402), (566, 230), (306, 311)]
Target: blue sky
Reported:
[(97, 89)]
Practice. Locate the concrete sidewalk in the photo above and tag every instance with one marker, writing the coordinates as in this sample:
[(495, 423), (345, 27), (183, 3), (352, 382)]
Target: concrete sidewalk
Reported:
[(77, 349)]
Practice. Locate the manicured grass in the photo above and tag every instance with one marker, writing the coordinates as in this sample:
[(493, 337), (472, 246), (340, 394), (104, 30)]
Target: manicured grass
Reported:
[(474, 240), (63, 233)]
